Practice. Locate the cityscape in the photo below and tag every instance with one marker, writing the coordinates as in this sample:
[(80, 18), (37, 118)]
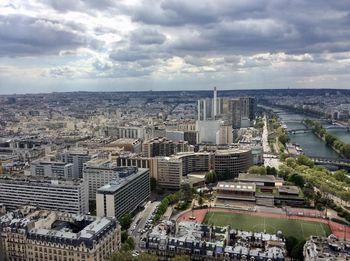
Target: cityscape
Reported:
[(168, 130)]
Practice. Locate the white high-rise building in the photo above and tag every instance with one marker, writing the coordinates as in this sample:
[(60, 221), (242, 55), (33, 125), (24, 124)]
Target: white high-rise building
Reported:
[(66, 196), (124, 195)]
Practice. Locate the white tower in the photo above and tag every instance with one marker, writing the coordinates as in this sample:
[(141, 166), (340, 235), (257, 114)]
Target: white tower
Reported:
[(215, 102)]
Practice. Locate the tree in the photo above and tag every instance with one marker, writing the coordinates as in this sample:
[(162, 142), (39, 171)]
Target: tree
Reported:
[(290, 243), (200, 201), (124, 236), (340, 175), (125, 221), (346, 150), (297, 179), (211, 177), (153, 184), (186, 191), (121, 256), (297, 251), (273, 171), (181, 258), (305, 160), (130, 242), (283, 138), (290, 162), (257, 170)]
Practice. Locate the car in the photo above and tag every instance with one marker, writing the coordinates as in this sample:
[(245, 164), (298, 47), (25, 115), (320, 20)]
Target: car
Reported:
[(139, 230)]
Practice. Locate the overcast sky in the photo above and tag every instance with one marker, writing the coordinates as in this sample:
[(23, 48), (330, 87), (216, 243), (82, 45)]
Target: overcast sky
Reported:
[(110, 45)]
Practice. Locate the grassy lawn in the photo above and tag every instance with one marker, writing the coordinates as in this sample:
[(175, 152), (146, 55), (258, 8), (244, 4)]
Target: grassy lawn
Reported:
[(297, 228)]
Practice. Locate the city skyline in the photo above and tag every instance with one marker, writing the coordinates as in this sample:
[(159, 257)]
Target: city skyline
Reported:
[(62, 46)]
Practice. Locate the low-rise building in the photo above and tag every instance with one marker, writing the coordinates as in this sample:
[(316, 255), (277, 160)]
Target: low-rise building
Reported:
[(326, 249), (236, 191), (204, 242)]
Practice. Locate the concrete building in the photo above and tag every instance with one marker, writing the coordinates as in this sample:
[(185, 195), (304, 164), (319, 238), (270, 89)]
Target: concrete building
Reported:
[(207, 130), (175, 135), (129, 132), (52, 169), (67, 196), (38, 235), (229, 163), (100, 172), (169, 172), (77, 158), (163, 147), (326, 249), (123, 195), (238, 112), (132, 145), (236, 191)]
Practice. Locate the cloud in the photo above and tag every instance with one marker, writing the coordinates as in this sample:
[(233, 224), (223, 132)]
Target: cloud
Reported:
[(25, 36), (195, 42), (147, 36)]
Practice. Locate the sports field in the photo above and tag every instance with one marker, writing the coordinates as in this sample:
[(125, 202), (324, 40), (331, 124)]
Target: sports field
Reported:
[(290, 227)]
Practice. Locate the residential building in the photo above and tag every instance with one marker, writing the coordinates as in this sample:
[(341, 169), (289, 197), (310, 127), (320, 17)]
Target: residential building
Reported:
[(99, 172), (38, 235), (77, 158), (52, 169), (68, 196), (326, 249), (163, 147), (204, 242), (123, 195)]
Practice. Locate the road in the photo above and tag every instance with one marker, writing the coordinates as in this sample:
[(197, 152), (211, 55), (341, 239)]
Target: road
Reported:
[(140, 221), (269, 158)]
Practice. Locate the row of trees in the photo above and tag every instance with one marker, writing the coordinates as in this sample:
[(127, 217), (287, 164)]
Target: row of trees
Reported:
[(259, 123), (330, 139), (261, 170), (164, 204), (127, 256)]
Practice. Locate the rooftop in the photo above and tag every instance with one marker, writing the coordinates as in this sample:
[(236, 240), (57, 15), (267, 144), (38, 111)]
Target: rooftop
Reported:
[(239, 186), (117, 184), (258, 178)]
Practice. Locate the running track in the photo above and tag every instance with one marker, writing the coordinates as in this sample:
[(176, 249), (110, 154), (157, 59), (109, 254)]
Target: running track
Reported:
[(337, 229)]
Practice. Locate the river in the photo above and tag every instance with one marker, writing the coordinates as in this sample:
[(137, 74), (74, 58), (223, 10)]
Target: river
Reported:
[(309, 142)]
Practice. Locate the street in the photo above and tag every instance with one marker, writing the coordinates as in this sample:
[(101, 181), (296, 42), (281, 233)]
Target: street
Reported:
[(269, 158)]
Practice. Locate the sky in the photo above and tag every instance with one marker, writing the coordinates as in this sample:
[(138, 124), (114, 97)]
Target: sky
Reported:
[(110, 45)]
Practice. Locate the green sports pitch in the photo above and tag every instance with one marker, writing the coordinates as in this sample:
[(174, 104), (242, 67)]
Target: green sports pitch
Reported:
[(290, 227)]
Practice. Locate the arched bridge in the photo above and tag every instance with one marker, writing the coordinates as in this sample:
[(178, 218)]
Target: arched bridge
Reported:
[(331, 127), (330, 161)]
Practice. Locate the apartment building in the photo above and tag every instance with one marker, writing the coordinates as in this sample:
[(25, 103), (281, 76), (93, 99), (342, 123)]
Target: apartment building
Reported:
[(62, 195), (38, 235), (123, 195), (77, 158), (99, 172), (52, 169), (163, 147)]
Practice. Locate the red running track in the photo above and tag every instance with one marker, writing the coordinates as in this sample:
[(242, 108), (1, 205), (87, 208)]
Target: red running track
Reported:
[(337, 229)]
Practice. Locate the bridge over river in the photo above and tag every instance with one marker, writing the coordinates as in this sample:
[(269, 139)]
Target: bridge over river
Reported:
[(331, 127), (330, 161)]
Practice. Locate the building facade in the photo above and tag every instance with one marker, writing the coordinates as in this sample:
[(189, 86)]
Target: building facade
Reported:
[(47, 235), (77, 158), (52, 169), (62, 195), (100, 172), (124, 195), (163, 147)]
